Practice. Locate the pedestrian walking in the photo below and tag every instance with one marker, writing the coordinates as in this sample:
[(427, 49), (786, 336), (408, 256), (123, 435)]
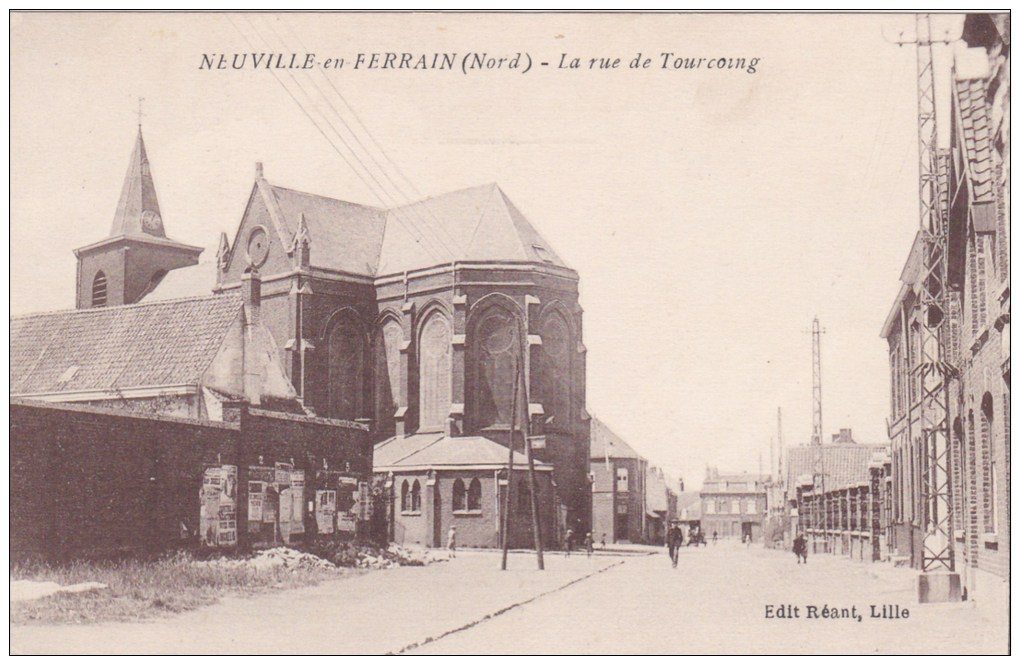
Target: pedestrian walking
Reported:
[(800, 548), (674, 538), (568, 542), (451, 542), (715, 537), (603, 540), (589, 543)]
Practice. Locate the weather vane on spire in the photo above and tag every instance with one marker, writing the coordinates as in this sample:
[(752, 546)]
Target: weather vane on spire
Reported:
[(140, 100)]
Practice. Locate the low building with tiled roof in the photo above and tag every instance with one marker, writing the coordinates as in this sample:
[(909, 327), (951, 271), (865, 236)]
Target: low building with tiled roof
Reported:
[(436, 482), (192, 357)]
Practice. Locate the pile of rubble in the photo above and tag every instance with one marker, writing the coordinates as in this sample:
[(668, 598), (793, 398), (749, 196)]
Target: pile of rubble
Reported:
[(330, 555), (366, 556), (271, 558)]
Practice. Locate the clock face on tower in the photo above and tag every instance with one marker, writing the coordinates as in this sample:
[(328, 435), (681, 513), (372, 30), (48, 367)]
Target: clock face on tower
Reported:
[(258, 246), (151, 222)]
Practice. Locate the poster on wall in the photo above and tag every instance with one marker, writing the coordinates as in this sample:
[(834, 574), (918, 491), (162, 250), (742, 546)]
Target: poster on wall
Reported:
[(297, 493), (325, 511)]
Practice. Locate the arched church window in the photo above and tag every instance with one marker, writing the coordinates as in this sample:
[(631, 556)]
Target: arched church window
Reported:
[(386, 347), (346, 357), (405, 497), (495, 349), (99, 290), (474, 495), (416, 497), (459, 495), (556, 371), (435, 380)]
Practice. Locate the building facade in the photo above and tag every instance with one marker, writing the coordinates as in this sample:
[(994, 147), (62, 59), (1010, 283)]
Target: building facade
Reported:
[(618, 481), (975, 336), (733, 505)]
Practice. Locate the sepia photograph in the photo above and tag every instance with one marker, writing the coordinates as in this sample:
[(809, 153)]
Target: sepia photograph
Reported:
[(519, 332)]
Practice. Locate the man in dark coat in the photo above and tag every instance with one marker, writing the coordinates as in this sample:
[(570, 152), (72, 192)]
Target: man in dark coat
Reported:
[(674, 538), (800, 548)]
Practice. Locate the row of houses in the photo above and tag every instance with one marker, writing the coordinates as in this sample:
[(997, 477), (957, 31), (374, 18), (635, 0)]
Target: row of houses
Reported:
[(879, 501), (973, 336)]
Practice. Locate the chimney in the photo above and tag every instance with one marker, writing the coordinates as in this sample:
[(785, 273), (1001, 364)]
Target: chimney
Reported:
[(251, 299), (251, 295), (258, 170)]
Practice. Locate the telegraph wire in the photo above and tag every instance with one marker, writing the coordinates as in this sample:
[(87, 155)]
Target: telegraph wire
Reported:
[(370, 137), (418, 239), (381, 188), (412, 201)]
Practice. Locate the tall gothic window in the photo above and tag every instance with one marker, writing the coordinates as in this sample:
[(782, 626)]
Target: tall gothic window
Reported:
[(386, 348), (99, 290), (495, 349), (435, 379), (346, 356), (556, 371)]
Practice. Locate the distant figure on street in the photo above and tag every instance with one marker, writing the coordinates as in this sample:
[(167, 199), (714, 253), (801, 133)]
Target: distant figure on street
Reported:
[(589, 543), (603, 540), (451, 542), (568, 542), (674, 538), (800, 548), (715, 537)]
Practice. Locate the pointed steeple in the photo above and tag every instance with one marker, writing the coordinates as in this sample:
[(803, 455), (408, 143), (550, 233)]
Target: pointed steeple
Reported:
[(138, 209)]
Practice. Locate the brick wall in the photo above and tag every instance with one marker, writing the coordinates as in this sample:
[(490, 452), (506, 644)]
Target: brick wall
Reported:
[(89, 482)]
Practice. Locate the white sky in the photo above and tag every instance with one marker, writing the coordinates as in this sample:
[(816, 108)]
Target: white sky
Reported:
[(710, 214)]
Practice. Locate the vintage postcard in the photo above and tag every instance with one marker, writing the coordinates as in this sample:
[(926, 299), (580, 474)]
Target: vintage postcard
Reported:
[(522, 333)]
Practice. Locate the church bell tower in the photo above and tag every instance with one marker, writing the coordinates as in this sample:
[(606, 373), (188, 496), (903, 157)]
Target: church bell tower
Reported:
[(128, 264)]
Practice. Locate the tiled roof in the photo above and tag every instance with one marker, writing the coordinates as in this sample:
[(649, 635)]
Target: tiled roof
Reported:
[(148, 344), (976, 137), (434, 450), (842, 464), (604, 440)]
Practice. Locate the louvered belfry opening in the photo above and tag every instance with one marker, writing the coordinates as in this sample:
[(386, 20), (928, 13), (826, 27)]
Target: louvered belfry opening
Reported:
[(99, 290)]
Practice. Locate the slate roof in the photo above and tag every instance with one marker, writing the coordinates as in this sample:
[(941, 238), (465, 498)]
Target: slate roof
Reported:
[(843, 464), (473, 224), (975, 137), (147, 344), (604, 440), (137, 196), (345, 236), (435, 450)]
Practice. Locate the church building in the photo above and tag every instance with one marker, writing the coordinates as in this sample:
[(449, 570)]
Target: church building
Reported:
[(408, 319)]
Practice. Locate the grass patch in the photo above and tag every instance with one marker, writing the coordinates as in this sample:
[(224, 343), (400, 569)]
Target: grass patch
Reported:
[(140, 589)]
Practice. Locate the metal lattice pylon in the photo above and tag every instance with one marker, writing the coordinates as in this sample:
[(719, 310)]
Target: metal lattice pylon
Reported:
[(933, 371)]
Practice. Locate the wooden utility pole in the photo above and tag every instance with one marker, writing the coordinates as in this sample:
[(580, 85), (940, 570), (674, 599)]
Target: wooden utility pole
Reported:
[(510, 467), (536, 525)]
